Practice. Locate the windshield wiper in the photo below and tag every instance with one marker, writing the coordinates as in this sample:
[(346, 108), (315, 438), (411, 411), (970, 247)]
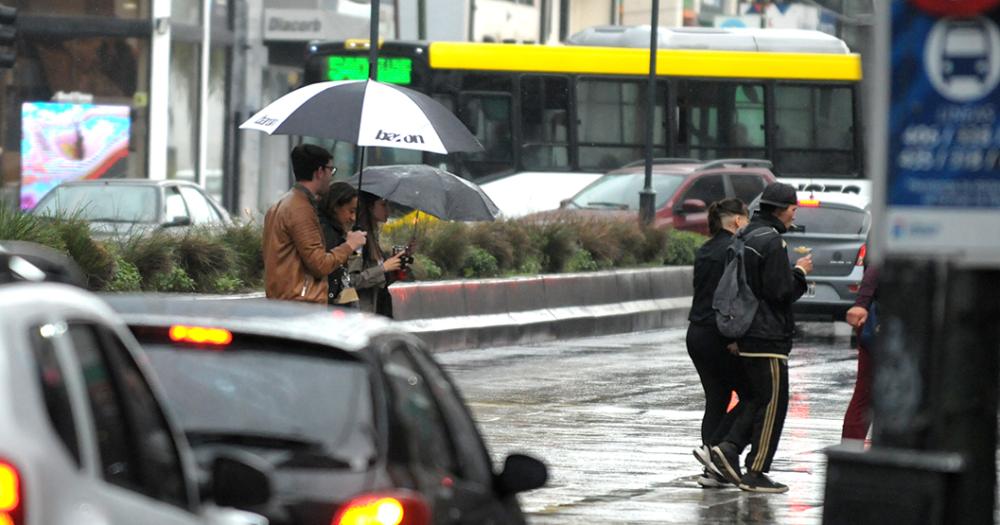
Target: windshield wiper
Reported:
[(253, 439), (322, 460), (606, 204)]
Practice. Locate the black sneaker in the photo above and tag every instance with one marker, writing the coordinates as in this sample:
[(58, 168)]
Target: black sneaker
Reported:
[(726, 459), (759, 482)]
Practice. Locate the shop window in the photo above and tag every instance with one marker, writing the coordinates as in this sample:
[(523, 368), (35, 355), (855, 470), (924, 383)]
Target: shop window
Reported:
[(182, 151)]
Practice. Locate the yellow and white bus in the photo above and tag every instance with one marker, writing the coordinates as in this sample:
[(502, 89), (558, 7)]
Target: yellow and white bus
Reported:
[(552, 118)]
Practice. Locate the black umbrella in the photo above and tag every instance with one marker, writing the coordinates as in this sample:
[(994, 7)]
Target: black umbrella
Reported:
[(430, 190)]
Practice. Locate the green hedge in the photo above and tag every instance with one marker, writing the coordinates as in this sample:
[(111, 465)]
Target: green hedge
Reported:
[(230, 261)]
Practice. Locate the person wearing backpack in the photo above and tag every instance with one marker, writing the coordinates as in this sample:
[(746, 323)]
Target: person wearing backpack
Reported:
[(719, 370), (765, 345)]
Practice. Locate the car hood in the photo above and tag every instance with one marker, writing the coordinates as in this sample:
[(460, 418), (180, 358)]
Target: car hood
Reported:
[(582, 213), (102, 229)]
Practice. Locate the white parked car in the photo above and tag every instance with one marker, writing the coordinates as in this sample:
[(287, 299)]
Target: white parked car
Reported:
[(85, 438)]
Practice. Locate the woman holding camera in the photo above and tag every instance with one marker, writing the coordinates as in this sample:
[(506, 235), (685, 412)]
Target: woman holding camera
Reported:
[(371, 274), (337, 211)]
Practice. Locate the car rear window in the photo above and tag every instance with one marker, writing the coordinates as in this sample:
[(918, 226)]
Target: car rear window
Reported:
[(118, 203), (621, 191), (271, 397), (831, 220)]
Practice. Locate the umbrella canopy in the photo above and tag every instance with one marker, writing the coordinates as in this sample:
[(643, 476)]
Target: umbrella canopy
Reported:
[(430, 190), (366, 113)]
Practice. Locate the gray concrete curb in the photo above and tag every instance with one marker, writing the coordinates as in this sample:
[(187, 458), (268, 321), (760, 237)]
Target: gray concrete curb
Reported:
[(495, 312)]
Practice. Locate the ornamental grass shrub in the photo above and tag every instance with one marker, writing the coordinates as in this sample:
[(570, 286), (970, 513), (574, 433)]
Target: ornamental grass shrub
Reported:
[(94, 258), (230, 261), (18, 226)]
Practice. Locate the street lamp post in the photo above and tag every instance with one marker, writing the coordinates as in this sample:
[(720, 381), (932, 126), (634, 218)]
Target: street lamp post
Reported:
[(373, 42), (647, 197)]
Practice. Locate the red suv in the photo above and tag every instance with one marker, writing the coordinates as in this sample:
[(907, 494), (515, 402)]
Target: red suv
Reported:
[(684, 188)]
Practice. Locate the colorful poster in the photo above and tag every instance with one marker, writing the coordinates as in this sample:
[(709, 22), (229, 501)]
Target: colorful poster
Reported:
[(61, 141)]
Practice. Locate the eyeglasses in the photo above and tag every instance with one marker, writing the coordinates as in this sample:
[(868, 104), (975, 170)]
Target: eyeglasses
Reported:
[(333, 169)]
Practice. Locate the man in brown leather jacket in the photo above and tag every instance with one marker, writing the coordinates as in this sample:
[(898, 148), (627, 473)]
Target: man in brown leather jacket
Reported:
[(296, 264)]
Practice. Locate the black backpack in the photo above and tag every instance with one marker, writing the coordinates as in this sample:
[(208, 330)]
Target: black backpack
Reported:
[(734, 302)]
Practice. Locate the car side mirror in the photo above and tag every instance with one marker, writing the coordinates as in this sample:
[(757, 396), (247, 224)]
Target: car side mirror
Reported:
[(180, 220), (563, 204), (240, 480), (521, 473), (693, 206)]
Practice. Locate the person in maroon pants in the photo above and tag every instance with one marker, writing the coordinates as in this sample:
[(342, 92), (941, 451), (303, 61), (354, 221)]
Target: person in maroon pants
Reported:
[(858, 416)]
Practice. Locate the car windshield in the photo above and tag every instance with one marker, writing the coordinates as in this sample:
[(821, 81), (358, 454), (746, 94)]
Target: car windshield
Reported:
[(258, 398), (621, 191), (108, 203), (831, 220)]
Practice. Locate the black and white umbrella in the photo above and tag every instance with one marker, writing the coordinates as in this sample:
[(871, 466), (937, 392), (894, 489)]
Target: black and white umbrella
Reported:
[(430, 190), (366, 113)]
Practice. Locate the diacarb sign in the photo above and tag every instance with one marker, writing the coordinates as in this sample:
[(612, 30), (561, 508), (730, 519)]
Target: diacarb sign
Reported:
[(294, 24)]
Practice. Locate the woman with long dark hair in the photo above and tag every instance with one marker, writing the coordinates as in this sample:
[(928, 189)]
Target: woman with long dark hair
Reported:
[(337, 211), (371, 273), (719, 369)]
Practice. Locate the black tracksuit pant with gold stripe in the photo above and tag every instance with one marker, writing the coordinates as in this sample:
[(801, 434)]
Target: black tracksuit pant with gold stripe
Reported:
[(765, 411)]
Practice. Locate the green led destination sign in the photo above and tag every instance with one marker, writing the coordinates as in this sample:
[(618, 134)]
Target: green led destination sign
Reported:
[(392, 70)]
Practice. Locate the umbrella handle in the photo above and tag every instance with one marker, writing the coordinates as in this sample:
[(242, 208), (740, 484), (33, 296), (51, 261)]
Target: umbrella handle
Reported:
[(416, 224), (361, 174)]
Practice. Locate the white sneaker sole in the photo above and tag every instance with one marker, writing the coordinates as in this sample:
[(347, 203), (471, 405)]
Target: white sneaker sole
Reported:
[(709, 483)]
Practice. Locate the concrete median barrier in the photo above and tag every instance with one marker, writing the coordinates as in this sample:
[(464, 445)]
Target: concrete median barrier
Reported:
[(519, 310)]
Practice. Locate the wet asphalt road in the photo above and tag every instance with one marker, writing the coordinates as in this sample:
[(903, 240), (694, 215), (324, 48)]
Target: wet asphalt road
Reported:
[(615, 418)]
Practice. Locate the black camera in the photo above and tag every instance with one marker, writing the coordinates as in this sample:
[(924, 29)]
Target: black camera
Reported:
[(407, 259)]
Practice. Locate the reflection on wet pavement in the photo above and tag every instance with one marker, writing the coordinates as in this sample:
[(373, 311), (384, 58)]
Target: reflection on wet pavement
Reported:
[(616, 417)]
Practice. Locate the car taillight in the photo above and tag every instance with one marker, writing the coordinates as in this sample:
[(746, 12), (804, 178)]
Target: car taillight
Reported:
[(391, 508), (200, 335), (11, 498), (861, 255)]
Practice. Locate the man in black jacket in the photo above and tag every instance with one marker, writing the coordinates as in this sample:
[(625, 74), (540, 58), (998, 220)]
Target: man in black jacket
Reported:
[(765, 347)]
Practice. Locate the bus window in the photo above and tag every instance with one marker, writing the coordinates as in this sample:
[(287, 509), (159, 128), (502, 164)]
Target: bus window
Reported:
[(487, 82), (815, 127), (720, 120), (544, 122), (488, 117), (612, 123)]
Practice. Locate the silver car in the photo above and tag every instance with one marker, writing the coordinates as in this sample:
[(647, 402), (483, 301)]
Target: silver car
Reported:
[(115, 207), (84, 436)]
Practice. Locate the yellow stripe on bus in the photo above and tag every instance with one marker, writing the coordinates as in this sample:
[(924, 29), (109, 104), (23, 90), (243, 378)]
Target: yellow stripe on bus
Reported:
[(618, 61)]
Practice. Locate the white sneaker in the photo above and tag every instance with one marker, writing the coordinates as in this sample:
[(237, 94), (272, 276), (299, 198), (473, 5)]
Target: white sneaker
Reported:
[(704, 456)]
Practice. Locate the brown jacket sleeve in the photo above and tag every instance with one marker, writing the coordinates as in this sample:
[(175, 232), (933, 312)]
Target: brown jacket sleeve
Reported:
[(303, 227)]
